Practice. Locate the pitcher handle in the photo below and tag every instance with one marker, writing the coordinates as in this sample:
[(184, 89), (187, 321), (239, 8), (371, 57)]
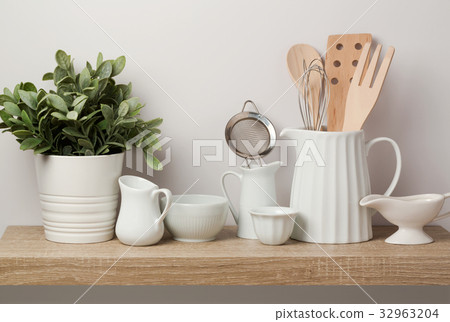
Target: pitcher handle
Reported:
[(398, 158), (168, 195), (447, 214), (232, 209)]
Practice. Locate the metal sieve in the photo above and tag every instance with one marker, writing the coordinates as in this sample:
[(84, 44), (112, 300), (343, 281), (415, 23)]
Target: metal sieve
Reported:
[(250, 135)]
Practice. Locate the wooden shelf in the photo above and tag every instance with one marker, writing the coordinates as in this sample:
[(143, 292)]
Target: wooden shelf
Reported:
[(26, 258)]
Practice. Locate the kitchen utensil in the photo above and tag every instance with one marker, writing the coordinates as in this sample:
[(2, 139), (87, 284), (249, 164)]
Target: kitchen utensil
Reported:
[(299, 58), (343, 52), (410, 214), (306, 94), (250, 135), (258, 189), (330, 177), (196, 218), (273, 225), (140, 221), (362, 95)]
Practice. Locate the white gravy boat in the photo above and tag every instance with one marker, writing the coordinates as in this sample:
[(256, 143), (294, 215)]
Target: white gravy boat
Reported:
[(410, 214)]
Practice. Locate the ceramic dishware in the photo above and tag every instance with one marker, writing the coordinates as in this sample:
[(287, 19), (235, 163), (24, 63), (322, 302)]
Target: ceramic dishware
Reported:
[(365, 89), (140, 221), (257, 189), (196, 218), (330, 178), (410, 214), (79, 196), (273, 225), (343, 52)]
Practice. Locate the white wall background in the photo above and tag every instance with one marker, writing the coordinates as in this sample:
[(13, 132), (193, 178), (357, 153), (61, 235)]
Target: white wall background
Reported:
[(210, 56)]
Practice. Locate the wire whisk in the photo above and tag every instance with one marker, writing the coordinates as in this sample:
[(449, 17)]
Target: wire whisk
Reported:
[(313, 105)]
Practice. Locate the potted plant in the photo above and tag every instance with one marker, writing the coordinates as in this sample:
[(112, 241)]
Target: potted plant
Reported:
[(79, 133)]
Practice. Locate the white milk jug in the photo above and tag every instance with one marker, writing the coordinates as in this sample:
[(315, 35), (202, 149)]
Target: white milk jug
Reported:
[(257, 190), (140, 221)]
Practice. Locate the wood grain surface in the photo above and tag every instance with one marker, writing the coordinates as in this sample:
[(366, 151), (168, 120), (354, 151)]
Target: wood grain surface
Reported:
[(26, 258)]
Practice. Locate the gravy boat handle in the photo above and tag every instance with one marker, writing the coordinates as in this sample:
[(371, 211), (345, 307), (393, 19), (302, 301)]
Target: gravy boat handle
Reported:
[(447, 214)]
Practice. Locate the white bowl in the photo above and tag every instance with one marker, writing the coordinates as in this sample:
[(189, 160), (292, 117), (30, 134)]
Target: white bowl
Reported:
[(273, 225), (196, 218)]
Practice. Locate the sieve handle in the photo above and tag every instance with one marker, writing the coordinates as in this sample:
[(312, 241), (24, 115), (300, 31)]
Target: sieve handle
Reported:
[(232, 209)]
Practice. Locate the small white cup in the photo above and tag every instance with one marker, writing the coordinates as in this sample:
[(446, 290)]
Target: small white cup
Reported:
[(273, 225)]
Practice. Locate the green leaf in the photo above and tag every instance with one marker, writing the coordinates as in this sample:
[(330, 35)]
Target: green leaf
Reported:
[(123, 109), (99, 59), (6, 98), (29, 87), (118, 66), (105, 70), (89, 67), (72, 115), (102, 125), (88, 117), (7, 92), (58, 74), (102, 84), (85, 78), (65, 80), (133, 103), (47, 76), (16, 121), (154, 123), (42, 149), (79, 102), (127, 92), (128, 123), (60, 116), (26, 120), (29, 98), (67, 150), (86, 143), (120, 145), (12, 109), (22, 134), (102, 150), (152, 161), (40, 95), (30, 143), (72, 132), (62, 59), (16, 92), (5, 118), (88, 153), (108, 113), (57, 102)]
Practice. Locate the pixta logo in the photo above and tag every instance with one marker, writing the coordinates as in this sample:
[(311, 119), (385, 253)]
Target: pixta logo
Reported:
[(213, 151), (146, 142)]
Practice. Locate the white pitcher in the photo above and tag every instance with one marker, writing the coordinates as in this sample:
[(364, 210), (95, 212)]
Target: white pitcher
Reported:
[(140, 221), (330, 178), (258, 189)]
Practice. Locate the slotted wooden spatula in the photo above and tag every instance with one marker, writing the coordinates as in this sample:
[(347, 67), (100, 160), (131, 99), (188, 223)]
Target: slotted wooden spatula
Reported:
[(362, 95), (343, 53)]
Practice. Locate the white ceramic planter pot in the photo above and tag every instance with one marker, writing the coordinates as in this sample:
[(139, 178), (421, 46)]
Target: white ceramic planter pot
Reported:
[(79, 196)]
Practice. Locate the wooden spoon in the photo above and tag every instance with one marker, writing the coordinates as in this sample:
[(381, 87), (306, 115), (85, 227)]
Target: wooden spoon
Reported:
[(298, 54)]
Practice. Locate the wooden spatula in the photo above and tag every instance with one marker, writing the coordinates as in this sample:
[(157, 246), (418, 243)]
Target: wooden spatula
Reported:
[(343, 52), (295, 57), (362, 95)]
